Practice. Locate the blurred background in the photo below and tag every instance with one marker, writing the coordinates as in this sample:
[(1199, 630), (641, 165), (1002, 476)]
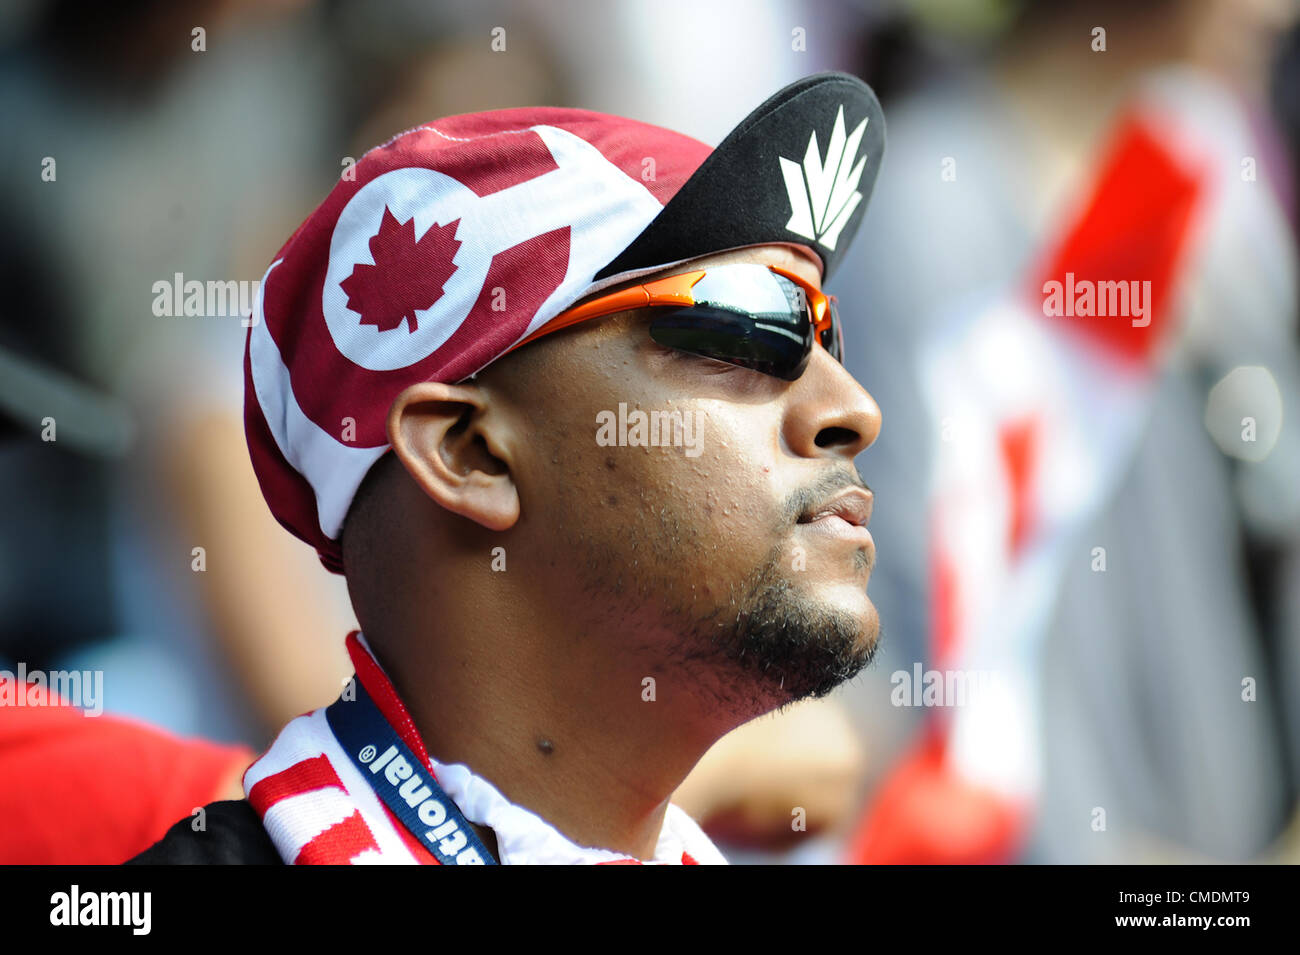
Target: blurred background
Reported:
[(1104, 518)]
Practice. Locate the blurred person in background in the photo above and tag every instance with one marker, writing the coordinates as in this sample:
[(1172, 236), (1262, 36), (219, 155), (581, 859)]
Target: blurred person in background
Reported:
[(106, 108), (60, 753), (152, 150), (1149, 712)]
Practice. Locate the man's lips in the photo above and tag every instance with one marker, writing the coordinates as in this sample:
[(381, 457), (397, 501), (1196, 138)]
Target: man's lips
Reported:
[(844, 516)]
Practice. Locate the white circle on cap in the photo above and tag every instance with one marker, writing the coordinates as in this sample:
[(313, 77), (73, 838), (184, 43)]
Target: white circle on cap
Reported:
[(431, 198)]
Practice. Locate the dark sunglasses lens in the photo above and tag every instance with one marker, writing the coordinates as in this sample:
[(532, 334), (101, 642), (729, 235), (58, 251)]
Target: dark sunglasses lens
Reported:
[(775, 344)]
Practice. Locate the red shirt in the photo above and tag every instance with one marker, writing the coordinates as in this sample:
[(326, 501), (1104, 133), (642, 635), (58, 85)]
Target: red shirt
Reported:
[(77, 789)]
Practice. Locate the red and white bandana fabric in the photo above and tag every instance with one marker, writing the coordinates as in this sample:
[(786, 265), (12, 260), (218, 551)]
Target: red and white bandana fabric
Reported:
[(432, 256), (319, 810)]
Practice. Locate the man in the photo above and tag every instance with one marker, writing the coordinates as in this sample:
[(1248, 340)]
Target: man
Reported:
[(620, 516)]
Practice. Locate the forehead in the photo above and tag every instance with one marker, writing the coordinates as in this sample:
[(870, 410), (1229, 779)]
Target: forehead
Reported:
[(793, 257)]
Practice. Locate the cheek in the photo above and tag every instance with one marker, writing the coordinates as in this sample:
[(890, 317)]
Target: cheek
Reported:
[(690, 496), (732, 480), (719, 486)]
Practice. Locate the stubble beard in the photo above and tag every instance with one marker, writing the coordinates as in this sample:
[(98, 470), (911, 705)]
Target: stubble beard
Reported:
[(771, 644), (763, 646)]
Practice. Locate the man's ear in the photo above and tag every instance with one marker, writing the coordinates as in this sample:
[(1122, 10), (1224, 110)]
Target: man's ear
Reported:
[(456, 449)]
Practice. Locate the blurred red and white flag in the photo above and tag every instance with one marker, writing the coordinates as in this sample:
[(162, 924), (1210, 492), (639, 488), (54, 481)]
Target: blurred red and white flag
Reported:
[(1039, 399)]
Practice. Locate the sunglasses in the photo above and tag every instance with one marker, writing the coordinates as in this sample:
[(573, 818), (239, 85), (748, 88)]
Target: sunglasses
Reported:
[(756, 316)]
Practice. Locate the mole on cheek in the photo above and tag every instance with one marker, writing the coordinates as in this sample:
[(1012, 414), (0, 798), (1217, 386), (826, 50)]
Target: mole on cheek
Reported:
[(545, 746)]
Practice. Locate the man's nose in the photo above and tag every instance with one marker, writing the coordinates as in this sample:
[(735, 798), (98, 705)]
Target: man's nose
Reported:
[(829, 413)]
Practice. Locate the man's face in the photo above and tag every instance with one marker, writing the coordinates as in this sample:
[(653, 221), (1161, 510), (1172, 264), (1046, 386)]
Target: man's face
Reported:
[(693, 547)]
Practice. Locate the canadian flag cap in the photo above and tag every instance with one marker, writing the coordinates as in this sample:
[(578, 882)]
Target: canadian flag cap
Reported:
[(445, 246)]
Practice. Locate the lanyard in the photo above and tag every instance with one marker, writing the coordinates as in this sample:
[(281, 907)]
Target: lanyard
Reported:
[(406, 786)]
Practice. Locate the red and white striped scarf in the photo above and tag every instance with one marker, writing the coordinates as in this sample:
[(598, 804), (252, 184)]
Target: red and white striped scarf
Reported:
[(319, 810)]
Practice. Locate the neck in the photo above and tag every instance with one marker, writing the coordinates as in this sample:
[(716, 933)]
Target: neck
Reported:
[(557, 724)]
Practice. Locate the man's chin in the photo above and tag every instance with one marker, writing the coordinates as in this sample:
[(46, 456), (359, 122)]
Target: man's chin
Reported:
[(851, 598), (800, 646)]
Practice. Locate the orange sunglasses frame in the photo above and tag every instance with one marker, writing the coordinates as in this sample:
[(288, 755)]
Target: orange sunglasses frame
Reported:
[(673, 290)]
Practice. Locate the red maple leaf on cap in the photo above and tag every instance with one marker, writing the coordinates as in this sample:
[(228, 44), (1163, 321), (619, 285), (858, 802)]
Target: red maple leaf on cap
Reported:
[(408, 276)]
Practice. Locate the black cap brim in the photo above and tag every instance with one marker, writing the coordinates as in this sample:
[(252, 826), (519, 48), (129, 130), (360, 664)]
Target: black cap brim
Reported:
[(788, 173)]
